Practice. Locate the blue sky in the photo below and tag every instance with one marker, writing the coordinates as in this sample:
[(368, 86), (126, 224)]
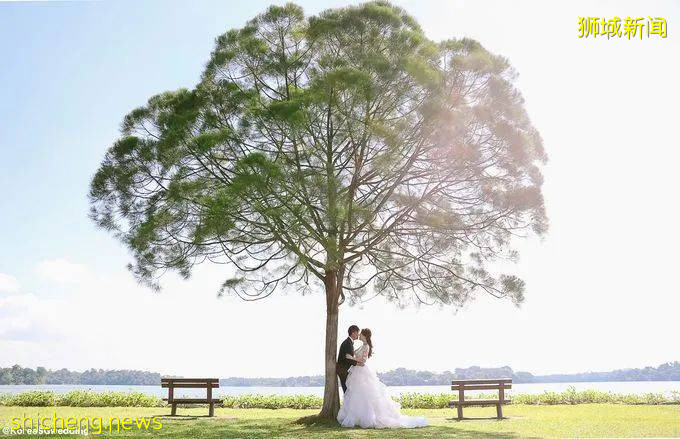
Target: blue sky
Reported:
[(600, 287), (71, 71)]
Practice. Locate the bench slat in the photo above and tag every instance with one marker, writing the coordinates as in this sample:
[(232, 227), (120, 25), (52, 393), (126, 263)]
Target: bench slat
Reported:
[(482, 387), (191, 385), (193, 400), (190, 380), (478, 402), (496, 381)]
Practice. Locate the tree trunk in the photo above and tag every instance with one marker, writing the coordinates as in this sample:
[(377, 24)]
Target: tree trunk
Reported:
[(331, 395)]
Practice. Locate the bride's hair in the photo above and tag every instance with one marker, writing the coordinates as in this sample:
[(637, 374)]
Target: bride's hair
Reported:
[(367, 333)]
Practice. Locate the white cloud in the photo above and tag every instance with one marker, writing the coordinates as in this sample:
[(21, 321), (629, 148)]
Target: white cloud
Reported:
[(62, 271), (26, 317), (8, 284), (108, 321)]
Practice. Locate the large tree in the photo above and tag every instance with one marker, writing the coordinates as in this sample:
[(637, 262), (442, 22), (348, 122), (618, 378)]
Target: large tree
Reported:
[(344, 152)]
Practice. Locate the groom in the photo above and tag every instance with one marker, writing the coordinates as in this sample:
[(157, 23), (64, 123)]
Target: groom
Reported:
[(344, 363)]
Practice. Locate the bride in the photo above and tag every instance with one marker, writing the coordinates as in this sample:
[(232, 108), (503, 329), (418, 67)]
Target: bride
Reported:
[(367, 403)]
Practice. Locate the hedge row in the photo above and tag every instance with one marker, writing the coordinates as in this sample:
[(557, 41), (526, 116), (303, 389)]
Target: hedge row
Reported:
[(82, 398)]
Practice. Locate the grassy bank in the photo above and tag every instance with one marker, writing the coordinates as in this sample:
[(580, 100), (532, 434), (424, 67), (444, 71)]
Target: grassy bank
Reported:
[(80, 398), (583, 420)]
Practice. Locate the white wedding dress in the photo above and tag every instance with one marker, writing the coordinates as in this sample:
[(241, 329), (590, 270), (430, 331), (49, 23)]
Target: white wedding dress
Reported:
[(368, 405)]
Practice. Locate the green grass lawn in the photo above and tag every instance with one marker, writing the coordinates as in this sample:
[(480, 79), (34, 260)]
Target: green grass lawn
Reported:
[(585, 420)]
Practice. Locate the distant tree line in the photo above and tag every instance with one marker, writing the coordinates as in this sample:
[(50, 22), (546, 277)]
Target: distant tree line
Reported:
[(398, 377), (408, 377), (25, 375), (664, 372)]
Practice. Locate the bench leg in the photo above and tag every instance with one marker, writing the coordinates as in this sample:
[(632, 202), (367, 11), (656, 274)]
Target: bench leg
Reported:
[(173, 411), (211, 410), (499, 411), (461, 398)]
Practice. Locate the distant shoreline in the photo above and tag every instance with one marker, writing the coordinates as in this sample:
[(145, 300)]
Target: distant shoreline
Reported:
[(321, 385), (17, 375), (407, 377), (446, 384)]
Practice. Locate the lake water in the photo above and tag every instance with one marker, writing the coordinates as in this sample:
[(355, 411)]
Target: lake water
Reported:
[(628, 387)]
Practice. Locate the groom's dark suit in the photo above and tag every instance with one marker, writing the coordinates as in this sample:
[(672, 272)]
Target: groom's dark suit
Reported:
[(344, 363)]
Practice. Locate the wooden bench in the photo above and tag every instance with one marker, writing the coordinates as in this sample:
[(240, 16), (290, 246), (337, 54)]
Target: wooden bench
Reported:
[(461, 386), (191, 383)]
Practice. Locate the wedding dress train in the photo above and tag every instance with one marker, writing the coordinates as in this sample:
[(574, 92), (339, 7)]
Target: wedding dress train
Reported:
[(367, 403)]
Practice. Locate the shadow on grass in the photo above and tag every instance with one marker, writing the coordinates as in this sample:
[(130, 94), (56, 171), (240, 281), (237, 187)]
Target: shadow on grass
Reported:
[(316, 421), (251, 431), (434, 431), (165, 416), (309, 428)]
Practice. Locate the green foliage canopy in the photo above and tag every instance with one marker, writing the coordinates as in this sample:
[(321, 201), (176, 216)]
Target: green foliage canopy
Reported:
[(345, 143)]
